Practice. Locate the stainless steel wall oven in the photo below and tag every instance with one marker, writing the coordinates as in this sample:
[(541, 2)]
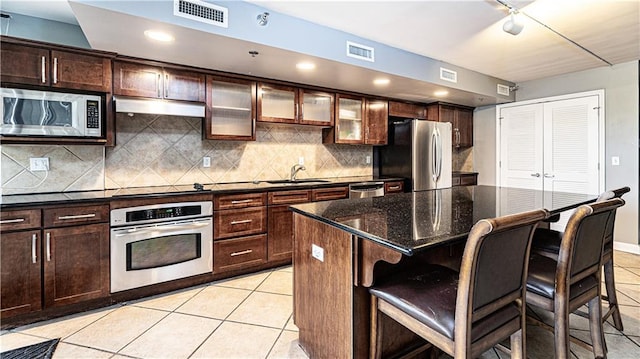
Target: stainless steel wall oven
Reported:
[(159, 243)]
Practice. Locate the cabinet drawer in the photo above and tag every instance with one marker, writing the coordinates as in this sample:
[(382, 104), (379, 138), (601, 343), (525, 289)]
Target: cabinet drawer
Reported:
[(19, 219), (327, 194), (242, 222), (468, 180), (239, 200), (238, 253), (64, 216), (289, 197), (455, 180), (393, 187)]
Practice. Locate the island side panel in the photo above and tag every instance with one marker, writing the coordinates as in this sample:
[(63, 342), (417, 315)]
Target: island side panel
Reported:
[(323, 290)]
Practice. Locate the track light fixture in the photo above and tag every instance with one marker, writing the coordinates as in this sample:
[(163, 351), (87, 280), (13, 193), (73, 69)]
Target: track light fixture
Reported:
[(512, 26)]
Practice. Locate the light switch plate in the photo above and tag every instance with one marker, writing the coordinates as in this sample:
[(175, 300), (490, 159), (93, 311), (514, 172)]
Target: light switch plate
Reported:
[(368, 159), (317, 252), (206, 161), (301, 161)]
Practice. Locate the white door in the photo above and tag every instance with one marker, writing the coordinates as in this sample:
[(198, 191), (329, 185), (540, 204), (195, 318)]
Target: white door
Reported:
[(521, 146), (571, 145)]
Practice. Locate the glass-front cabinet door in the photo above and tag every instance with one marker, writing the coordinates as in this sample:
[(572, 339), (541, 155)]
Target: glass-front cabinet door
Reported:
[(316, 108), (277, 103), (231, 105), (349, 119)]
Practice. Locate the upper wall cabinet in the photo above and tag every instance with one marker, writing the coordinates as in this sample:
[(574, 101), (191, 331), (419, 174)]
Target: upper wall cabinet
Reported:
[(286, 104), (407, 110), (230, 110), (461, 119), (42, 66), (358, 121), (140, 80), (376, 122)]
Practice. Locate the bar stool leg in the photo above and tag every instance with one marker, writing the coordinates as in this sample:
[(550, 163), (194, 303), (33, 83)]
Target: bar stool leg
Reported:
[(596, 327), (612, 297), (561, 327)]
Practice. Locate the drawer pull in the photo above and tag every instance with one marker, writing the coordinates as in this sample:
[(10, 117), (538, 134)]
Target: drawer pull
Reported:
[(15, 220), (55, 70), (394, 187), (48, 247), (247, 251), (43, 66), (242, 201), (242, 221), (34, 256), (78, 216)]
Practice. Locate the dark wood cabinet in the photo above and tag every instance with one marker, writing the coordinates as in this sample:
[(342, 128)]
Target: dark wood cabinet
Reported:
[(288, 104), (42, 66), (20, 265), (464, 179), (393, 187), (239, 222), (239, 253), (329, 194), (231, 109), (280, 233), (376, 122), (461, 119), (140, 80), (407, 110), (76, 264)]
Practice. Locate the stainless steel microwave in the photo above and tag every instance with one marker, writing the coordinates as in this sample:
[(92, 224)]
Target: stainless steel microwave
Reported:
[(46, 113)]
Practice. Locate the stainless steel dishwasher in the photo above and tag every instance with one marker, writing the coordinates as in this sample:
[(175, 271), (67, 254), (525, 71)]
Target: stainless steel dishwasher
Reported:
[(366, 189)]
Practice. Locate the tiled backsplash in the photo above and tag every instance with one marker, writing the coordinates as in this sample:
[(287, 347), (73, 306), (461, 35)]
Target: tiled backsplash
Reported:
[(462, 160), (168, 150)]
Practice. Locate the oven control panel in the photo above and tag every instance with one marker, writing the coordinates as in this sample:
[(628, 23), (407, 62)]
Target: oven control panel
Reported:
[(160, 213)]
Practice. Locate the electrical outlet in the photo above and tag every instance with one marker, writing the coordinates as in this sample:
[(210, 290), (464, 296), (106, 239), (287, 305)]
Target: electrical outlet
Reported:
[(301, 161), (368, 159), (317, 252), (206, 161), (38, 164)]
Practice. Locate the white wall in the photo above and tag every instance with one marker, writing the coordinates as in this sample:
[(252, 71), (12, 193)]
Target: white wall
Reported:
[(622, 117)]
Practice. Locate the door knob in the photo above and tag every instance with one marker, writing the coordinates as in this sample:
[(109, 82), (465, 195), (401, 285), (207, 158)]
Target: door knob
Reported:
[(535, 175)]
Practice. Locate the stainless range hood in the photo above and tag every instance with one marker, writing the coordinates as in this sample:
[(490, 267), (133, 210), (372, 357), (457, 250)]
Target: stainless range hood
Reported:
[(158, 107)]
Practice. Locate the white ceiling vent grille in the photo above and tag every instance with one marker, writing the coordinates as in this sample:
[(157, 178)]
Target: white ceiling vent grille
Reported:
[(503, 90), (202, 11), (448, 75), (360, 51)]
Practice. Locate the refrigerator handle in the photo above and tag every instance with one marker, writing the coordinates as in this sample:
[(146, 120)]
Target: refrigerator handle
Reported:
[(439, 155), (434, 156)]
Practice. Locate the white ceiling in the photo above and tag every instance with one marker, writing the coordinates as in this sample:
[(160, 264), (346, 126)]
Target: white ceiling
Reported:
[(464, 33)]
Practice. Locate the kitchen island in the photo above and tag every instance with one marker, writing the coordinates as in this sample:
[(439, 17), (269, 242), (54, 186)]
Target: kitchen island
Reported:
[(342, 247)]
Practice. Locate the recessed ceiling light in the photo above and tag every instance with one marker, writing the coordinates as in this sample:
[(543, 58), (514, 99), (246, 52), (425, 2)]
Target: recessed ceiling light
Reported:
[(159, 35), (441, 93), (381, 81), (305, 66)]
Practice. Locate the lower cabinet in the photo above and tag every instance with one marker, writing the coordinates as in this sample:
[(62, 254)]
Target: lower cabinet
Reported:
[(76, 264), (20, 264), (239, 253), (65, 263)]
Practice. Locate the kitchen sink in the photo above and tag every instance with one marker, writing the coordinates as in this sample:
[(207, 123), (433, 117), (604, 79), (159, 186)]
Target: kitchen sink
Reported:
[(305, 180)]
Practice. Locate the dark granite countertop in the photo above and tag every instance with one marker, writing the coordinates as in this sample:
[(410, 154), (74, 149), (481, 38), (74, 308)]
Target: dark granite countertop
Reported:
[(463, 173), (411, 222), (17, 200)]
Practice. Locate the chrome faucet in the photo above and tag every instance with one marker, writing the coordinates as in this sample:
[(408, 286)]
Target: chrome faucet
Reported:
[(294, 171)]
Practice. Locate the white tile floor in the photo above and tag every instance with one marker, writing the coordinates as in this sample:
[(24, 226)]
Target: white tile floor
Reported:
[(250, 317)]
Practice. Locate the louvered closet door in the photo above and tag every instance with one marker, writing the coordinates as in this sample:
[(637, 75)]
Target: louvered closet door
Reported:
[(571, 145), (521, 146)]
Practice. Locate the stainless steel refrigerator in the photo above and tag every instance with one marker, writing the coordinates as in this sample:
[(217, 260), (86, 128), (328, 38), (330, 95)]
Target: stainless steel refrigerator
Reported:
[(419, 151)]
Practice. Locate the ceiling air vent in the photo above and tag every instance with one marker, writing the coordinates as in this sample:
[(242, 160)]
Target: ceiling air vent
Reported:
[(201, 11), (360, 51), (448, 75), (503, 90)]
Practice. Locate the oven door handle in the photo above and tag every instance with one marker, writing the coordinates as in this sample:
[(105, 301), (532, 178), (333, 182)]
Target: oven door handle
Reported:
[(172, 226)]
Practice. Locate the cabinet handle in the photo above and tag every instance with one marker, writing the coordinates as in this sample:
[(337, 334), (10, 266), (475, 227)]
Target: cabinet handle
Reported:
[(548, 175), (34, 256), (535, 175), (159, 86), (296, 114), (166, 85), (302, 111), (394, 187), (242, 221), (77, 216), (55, 70), (247, 251), (15, 220), (241, 201), (48, 246), (43, 66), (457, 137)]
